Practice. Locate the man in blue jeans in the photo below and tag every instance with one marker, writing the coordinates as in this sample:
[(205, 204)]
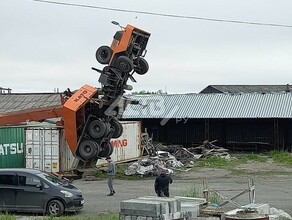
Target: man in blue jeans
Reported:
[(111, 171)]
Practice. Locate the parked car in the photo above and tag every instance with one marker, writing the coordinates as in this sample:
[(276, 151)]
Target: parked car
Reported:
[(29, 190)]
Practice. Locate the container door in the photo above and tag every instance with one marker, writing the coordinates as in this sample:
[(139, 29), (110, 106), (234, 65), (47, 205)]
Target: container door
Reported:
[(42, 149)]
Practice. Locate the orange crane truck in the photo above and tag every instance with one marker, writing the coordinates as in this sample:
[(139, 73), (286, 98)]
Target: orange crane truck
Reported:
[(91, 120)]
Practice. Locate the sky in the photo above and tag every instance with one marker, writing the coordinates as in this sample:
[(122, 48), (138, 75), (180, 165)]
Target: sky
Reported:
[(48, 47)]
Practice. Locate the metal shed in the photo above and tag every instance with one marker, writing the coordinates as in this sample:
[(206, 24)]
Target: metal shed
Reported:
[(236, 121)]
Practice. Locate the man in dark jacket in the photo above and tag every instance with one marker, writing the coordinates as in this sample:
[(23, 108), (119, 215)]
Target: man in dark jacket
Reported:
[(162, 184)]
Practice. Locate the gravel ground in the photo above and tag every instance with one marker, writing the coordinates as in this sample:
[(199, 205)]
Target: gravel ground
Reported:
[(270, 188), (273, 188)]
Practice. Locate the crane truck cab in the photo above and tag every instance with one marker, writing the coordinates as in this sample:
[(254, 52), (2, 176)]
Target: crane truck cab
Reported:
[(127, 50)]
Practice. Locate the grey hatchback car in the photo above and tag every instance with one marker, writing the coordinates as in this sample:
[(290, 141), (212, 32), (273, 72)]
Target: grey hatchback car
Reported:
[(28, 190)]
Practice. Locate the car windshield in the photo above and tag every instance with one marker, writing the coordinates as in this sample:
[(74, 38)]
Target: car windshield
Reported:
[(51, 178)]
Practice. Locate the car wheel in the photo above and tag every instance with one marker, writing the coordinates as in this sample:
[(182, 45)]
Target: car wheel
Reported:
[(88, 149), (124, 63), (103, 54), (55, 208), (142, 66), (107, 151), (118, 128), (97, 129)]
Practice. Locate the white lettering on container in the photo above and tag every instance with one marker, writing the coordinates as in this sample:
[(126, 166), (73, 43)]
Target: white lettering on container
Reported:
[(12, 148)]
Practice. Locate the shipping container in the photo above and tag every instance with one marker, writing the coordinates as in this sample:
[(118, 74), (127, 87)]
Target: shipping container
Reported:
[(128, 146), (12, 144), (42, 148), (66, 156)]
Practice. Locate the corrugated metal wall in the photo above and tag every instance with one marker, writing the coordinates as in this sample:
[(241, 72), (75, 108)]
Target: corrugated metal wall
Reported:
[(253, 130), (268, 133), (12, 147)]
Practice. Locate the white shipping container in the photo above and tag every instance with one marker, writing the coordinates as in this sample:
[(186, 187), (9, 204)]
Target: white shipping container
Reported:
[(42, 149), (128, 146)]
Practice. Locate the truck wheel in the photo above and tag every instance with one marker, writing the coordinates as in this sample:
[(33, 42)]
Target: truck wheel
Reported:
[(55, 208), (97, 129), (107, 151), (103, 54), (118, 128), (88, 149), (142, 66), (124, 63)]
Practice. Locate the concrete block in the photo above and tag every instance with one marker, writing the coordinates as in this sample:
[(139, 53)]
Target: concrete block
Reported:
[(121, 217), (274, 217), (191, 199), (261, 208), (173, 216), (138, 207), (174, 204), (191, 204), (141, 218), (193, 208)]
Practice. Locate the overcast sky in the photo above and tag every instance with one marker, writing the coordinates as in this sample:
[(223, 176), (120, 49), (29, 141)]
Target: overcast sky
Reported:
[(46, 46)]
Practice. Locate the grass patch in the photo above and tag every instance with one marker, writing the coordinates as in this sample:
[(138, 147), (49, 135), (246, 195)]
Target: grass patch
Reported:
[(219, 162), (7, 217), (196, 191), (280, 156)]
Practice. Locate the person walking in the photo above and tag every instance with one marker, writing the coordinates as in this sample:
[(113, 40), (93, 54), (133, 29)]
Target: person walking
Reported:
[(161, 185), (111, 171)]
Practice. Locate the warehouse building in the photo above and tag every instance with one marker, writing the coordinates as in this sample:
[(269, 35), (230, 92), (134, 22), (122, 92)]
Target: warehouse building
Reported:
[(238, 121)]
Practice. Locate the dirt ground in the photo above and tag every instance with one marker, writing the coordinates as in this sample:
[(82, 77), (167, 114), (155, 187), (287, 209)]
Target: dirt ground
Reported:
[(272, 184)]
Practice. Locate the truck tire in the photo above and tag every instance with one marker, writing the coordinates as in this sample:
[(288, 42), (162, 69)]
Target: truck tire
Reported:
[(142, 66), (97, 129), (103, 54), (55, 208), (88, 149), (107, 151), (124, 63), (117, 127)]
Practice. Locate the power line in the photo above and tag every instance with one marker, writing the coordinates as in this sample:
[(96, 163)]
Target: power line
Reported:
[(165, 15)]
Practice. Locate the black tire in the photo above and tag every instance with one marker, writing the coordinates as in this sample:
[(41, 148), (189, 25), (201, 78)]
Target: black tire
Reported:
[(107, 151), (142, 66), (97, 129), (124, 63), (118, 128), (103, 54), (55, 208), (88, 149)]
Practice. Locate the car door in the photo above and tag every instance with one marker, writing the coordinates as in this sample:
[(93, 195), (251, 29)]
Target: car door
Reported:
[(30, 194), (8, 185)]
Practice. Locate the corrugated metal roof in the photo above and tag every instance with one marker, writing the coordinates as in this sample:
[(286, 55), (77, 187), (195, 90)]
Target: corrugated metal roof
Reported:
[(19, 102), (246, 88), (249, 105)]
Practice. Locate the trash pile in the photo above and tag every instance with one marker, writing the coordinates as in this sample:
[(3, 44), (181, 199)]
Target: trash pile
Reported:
[(158, 157), (207, 149), (153, 165)]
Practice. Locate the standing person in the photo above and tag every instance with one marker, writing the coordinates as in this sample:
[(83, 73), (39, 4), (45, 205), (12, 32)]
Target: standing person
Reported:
[(111, 171), (161, 185)]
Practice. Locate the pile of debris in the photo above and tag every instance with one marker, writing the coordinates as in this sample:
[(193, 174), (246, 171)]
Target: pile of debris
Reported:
[(153, 165), (207, 149), (158, 157)]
